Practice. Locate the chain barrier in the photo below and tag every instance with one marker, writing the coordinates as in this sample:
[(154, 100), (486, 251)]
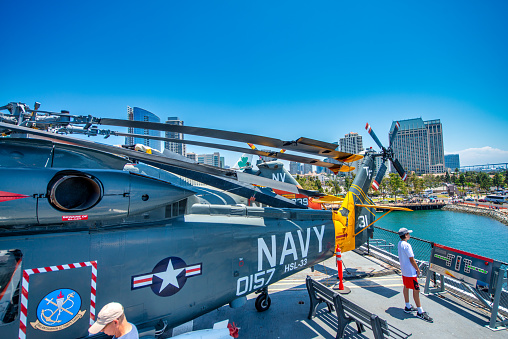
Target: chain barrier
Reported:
[(385, 243)]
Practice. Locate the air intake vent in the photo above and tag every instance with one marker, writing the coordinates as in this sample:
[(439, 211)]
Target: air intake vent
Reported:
[(74, 191)]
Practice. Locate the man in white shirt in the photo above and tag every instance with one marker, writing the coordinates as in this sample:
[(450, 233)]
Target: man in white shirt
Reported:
[(410, 272)]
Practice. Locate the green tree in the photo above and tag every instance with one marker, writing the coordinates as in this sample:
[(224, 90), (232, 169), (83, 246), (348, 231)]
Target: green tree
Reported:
[(462, 180), (404, 189), (454, 179), (347, 182), (498, 180), (383, 187), (428, 181), (447, 177), (418, 186), (301, 180), (470, 176), (395, 184), (414, 184), (334, 186), (310, 183), (319, 186), (484, 181)]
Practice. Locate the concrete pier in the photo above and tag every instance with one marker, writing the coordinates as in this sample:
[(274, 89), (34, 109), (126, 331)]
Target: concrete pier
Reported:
[(420, 206)]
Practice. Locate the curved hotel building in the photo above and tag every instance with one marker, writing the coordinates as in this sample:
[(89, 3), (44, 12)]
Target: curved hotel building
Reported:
[(139, 114)]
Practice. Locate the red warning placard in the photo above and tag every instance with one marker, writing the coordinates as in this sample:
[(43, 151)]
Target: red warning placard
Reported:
[(74, 217)]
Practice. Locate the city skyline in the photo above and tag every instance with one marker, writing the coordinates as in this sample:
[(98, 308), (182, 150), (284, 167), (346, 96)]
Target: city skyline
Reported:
[(283, 70)]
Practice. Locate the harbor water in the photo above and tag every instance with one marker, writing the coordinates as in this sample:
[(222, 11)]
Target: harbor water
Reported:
[(468, 232)]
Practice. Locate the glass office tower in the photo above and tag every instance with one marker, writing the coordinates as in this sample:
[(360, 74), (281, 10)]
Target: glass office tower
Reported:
[(419, 145), (452, 161), (175, 147), (139, 114)]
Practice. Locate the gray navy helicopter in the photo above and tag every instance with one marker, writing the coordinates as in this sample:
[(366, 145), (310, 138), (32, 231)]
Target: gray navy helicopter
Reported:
[(80, 228)]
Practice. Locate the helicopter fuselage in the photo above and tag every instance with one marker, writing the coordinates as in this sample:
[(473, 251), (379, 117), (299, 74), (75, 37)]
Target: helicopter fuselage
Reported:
[(175, 269)]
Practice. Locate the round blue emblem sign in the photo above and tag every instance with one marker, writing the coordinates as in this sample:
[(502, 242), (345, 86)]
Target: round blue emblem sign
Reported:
[(58, 307)]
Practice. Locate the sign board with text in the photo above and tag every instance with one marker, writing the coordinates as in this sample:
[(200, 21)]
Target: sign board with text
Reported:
[(463, 266)]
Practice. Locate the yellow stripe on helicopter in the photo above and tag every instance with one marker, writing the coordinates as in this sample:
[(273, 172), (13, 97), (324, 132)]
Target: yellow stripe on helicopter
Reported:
[(345, 222), (329, 199), (389, 208)]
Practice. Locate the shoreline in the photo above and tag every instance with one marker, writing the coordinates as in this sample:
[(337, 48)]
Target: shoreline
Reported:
[(499, 215)]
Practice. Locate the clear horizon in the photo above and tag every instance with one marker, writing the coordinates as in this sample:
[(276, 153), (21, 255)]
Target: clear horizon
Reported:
[(284, 70)]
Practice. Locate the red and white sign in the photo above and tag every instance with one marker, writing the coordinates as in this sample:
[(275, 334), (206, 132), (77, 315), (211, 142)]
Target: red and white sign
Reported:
[(74, 217)]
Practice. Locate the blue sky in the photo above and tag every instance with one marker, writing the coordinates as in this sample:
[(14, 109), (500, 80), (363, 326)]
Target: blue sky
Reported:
[(283, 69)]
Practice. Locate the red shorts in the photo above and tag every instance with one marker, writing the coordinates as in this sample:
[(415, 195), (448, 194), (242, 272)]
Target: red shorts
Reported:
[(411, 283)]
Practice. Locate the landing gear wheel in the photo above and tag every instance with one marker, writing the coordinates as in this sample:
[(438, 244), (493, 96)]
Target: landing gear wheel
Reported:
[(263, 302)]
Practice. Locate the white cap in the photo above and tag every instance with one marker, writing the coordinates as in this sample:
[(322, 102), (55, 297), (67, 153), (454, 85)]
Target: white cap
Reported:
[(108, 313), (404, 231)]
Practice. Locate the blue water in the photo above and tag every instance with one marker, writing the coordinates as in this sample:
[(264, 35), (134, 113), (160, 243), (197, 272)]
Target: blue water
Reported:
[(468, 232)]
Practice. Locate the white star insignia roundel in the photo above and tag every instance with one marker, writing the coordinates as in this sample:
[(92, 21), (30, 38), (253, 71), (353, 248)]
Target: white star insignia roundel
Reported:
[(167, 277)]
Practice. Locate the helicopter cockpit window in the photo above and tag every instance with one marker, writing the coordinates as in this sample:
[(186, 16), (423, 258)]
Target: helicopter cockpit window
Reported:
[(10, 282)]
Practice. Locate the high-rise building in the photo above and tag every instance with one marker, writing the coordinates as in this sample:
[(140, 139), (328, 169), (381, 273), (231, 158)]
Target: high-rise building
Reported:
[(419, 145), (352, 143), (175, 147), (299, 168), (139, 114), (320, 169), (436, 148), (452, 161), (210, 159), (294, 167)]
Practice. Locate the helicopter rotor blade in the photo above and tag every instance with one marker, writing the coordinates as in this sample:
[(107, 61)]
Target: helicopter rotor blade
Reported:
[(262, 153), (374, 136), (399, 168), (379, 177), (304, 145), (387, 153)]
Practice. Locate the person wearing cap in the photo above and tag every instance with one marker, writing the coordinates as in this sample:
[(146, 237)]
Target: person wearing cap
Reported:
[(111, 321), (410, 272)]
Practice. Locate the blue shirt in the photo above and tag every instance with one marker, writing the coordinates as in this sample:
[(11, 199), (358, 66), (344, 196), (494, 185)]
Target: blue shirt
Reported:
[(132, 334)]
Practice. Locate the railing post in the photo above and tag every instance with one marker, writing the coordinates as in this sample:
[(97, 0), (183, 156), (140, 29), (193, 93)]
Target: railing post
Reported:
[(495, 305)]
